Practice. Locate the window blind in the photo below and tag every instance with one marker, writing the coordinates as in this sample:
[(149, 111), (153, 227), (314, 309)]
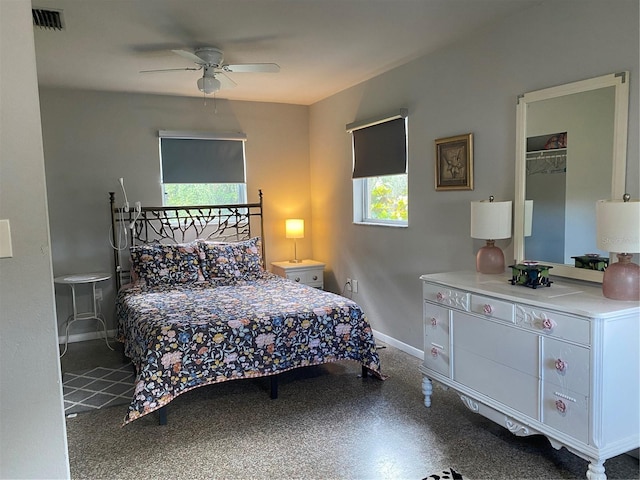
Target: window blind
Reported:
[(380, 148), (205, 159)]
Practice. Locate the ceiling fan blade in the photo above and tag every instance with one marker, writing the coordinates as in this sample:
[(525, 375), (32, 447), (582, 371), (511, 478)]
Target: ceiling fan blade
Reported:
[(170, 70), (190, 56), (252, 67), (225, 81)]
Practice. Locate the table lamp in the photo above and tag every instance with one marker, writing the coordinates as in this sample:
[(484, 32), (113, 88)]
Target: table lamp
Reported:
[(294, 228), (490, 221), (618, 230)]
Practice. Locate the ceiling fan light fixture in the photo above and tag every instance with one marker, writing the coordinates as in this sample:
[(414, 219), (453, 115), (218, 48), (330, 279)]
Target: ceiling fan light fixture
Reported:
[(208, 84)]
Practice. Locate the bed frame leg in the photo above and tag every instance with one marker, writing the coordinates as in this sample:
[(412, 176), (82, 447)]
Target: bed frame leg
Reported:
[(365, 372), (162, 420), (274, 386)]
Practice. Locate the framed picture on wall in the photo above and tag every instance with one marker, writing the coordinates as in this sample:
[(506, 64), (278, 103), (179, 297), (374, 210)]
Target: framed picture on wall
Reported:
[(454, 162)]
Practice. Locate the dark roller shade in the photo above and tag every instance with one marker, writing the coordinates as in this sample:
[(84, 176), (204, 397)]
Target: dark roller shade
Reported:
[(380, 149), (202, 161)]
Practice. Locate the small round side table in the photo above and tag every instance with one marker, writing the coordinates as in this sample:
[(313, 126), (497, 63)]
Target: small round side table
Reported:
[(83, 279)]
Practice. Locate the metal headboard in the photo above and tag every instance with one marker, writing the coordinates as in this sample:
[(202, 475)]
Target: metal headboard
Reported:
[(180, 224)]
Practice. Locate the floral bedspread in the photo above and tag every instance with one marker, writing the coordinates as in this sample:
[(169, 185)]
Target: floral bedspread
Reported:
[(184, 337)]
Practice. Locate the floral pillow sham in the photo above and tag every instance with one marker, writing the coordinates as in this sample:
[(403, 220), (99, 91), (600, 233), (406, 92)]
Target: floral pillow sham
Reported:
[(231, 261), (159, 264)]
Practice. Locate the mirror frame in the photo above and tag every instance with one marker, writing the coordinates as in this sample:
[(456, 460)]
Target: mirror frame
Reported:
[(620, 81)]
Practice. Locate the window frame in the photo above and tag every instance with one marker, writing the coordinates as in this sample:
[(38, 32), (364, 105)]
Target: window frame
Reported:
[(361, 199), (189, 135)]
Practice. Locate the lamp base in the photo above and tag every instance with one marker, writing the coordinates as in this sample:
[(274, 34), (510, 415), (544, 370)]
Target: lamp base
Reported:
[(295, 261), (621, 280), (490, 259)]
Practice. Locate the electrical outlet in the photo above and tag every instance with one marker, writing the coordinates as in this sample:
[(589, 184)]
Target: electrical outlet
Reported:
[(98, 294), (348, 285), (354, 286)]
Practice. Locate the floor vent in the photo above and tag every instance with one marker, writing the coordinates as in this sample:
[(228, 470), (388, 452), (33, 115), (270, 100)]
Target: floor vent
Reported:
[(50, 19)]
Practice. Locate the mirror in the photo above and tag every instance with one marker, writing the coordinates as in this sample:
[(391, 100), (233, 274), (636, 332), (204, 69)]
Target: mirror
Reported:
[(571, 143)]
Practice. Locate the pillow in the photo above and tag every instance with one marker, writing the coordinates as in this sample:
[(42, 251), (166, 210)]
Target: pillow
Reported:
[(236, 261), (159, 264)]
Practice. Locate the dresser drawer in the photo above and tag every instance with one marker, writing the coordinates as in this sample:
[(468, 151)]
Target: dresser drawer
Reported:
[(500, 382), (436, 338), (554, 324), (492, 308), (446, 296), (499, 343), (565, 365), (566, 410)]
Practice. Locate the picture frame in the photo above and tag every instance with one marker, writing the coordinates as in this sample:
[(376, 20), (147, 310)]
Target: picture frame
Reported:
[(454, 162)]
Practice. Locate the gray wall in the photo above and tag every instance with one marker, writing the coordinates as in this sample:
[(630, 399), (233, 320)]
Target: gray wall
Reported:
[(32, 428), (469, 87), (93, 138)]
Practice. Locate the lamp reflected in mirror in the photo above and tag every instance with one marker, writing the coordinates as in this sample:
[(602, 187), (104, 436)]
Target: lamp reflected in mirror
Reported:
[(490, 221), (618, 227)]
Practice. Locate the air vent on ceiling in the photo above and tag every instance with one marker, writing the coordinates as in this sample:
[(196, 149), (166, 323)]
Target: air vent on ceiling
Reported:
[(51, 19)]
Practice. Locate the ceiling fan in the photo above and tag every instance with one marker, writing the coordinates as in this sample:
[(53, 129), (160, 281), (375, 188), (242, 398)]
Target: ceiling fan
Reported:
[(210, 61)]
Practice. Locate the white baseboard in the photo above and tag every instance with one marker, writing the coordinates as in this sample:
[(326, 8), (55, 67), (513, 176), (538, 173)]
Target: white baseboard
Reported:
[(82, 337), (398, 344)]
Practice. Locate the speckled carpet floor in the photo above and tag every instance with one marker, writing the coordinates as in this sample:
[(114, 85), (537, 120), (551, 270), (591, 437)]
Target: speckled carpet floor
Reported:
[(326, 424)]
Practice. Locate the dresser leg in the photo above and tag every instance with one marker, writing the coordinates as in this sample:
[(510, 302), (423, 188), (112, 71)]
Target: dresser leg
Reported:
[(596, 471), (427, 390)]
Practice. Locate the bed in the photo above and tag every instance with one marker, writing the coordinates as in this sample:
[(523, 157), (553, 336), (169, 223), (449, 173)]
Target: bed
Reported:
[(196, 306)]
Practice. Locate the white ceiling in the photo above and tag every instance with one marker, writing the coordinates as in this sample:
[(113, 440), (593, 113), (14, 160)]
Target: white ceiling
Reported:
[(322, 46)]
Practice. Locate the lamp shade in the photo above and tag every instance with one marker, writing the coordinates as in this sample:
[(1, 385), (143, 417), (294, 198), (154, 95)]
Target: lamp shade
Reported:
[(491, 220), (618, 226), (294, 228)]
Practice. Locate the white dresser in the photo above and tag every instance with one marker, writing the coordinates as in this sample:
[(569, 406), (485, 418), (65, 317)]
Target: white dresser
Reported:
[(561, 361)]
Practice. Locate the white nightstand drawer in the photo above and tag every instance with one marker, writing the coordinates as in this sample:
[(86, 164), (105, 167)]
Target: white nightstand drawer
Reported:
[(307, 272), (308, 277)]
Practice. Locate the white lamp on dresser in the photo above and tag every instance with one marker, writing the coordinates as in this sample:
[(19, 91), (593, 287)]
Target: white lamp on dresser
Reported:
[(490, 221), (561, 361)]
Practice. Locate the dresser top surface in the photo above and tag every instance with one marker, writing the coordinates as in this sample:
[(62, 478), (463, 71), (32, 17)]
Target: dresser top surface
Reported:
[(575, 297)]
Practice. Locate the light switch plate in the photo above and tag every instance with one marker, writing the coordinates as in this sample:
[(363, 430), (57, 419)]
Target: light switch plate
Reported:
[(5, 239)]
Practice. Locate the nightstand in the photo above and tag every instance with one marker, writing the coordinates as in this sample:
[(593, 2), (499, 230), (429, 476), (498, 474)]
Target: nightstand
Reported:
[(308, 272)]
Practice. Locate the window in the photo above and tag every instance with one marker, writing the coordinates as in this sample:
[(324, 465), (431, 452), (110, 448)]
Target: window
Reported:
[(202, 169), (380, 190)]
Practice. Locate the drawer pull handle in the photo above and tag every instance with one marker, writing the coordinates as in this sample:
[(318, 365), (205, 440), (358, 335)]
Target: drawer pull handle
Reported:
[(548, 324), (561, 365), (440, 296), (297, 279), (561, 406), (315, 277), (434, 352), (434, 321), (488, 309), (566, 397)]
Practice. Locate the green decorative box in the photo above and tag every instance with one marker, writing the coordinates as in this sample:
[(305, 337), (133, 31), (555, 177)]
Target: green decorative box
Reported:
[(591, 262), (530, 274)]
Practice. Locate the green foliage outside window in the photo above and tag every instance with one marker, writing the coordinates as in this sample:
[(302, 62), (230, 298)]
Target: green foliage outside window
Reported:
[(388, 198), (203, 194)]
